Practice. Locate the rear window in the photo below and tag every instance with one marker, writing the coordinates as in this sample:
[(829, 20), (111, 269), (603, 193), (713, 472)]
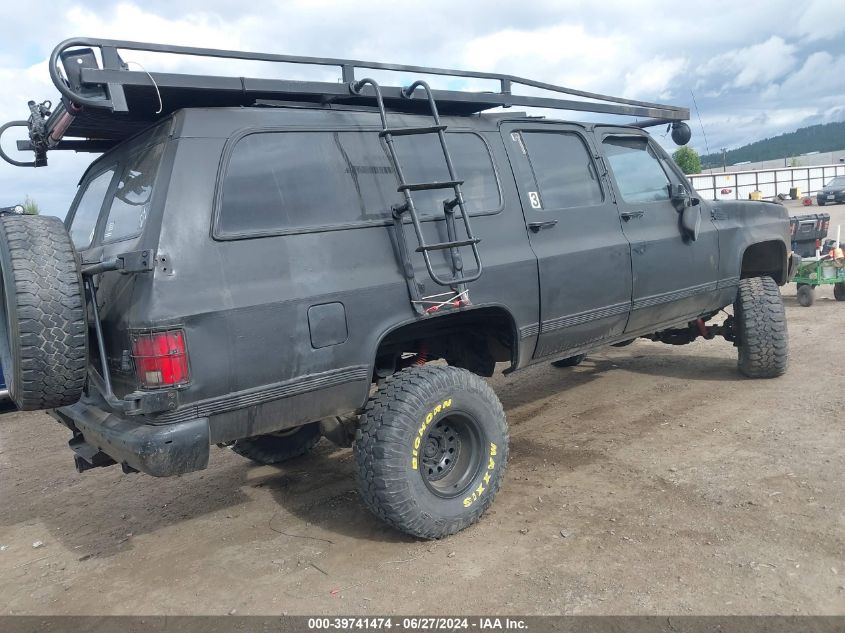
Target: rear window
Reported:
[(130, 204), (88, 209), (291, 181)]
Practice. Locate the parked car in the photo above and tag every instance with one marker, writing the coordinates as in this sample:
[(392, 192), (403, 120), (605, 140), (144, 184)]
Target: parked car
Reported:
[(266, 262), (833, 192)]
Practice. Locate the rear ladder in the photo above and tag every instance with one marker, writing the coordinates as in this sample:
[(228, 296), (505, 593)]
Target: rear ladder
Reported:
[(458, 294)]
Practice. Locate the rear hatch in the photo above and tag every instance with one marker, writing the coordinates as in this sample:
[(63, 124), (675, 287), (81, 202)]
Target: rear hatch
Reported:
[(114, 213)]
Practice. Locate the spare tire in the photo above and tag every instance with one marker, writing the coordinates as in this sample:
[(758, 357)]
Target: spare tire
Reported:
[(43, 328)]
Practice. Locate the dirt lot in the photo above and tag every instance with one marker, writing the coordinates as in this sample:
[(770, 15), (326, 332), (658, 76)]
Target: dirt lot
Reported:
[(650, 479)]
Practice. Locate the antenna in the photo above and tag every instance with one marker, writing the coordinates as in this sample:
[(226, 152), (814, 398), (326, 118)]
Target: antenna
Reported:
[(698, 114)]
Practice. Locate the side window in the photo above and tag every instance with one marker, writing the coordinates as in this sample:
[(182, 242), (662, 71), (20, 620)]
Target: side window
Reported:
[(278, 181), (128, 210), (283, 181), (88, 209), (422, 160), (563, 170), (637, 169)]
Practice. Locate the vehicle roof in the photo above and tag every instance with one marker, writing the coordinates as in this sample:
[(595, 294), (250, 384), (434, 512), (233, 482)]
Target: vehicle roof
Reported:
[(224, 122)]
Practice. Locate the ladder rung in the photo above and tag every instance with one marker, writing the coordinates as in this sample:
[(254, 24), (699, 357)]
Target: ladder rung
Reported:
[(444, 245), (410, 131), (423, 186)]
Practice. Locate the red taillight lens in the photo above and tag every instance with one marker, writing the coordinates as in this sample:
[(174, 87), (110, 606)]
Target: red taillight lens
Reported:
[(161, 358)]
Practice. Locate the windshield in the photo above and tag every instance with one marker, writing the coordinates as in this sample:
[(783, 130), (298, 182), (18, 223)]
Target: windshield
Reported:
[(839, 181)]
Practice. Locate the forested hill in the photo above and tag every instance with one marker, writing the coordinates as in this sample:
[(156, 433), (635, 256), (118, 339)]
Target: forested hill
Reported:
[(816, 138)]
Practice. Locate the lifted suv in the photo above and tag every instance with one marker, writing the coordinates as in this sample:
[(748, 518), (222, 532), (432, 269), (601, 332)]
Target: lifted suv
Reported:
[(256, 263)]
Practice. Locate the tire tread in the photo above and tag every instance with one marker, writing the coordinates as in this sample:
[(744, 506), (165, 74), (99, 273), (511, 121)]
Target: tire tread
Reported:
[(763, 339), (49, 310), (381, 449)]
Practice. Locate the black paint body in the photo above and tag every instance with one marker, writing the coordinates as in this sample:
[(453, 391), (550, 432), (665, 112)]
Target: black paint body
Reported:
[(286, 329)]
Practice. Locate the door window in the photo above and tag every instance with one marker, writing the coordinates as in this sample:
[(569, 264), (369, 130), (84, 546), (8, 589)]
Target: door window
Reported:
[(88, 210), (637, 170), (563, 170)]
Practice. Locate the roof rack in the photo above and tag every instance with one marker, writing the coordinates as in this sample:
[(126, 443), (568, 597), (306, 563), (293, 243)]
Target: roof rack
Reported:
[(104, 105)]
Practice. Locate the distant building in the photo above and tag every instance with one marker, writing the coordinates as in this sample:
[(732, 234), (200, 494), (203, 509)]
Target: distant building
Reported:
[(804, 160)]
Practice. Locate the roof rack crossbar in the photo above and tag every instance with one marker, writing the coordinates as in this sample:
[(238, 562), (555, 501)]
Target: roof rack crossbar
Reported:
[(115, 75), (104, 102)]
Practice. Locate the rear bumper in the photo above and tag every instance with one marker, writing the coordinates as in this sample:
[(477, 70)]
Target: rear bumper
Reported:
[(824, 198), (158, 450)]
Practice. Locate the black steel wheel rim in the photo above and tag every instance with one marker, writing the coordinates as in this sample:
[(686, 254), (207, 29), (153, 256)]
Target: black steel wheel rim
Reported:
[(452, 454)]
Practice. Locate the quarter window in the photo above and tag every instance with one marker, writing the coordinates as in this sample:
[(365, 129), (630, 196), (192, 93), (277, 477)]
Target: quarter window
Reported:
[(287, 181), (88, 209), (637, 170), (131, 201), (563, 170)]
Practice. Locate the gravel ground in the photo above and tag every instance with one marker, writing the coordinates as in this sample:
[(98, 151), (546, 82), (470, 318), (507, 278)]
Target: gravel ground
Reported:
[(651, 479)]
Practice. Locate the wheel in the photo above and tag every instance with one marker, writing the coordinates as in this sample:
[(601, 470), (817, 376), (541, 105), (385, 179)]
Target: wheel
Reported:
[(275, 448), (839, 291), (572, 361), (806, 295), (432, 450), (43, 328), (821, 203), (762, 339)]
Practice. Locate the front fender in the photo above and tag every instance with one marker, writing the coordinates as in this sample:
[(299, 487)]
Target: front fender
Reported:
[(743, 223)]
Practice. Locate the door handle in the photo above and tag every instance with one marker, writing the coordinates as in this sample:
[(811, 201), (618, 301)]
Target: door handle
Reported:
[(627, 215), (536, 226)]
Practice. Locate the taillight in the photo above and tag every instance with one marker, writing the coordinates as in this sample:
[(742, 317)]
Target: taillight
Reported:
[(161, 358)]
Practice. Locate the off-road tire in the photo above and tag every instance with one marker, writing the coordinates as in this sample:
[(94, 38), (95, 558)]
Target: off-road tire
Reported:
[(397, 427), (806, 295), (275, 448), (43, 328), (572, 361), (762, 339), (839, 291)]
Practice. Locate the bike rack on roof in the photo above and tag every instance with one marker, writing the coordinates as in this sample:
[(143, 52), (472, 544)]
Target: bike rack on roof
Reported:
[(102, 106)]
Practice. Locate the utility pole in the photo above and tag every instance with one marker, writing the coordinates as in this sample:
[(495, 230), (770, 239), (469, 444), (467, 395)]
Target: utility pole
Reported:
[(724, 164)]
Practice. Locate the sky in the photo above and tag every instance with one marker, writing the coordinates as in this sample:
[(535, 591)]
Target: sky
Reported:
[(757, 68)]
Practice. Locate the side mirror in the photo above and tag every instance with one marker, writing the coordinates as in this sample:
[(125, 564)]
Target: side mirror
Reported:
[(681, 198)]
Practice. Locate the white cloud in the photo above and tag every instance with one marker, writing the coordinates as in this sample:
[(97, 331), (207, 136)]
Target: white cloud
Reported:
[(654, 79), (564, 54), (752, 65), (750, 82), (821, 19)]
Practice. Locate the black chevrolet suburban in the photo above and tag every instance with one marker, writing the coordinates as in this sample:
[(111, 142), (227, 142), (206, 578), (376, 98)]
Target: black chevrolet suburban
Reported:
[(259, 263)]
